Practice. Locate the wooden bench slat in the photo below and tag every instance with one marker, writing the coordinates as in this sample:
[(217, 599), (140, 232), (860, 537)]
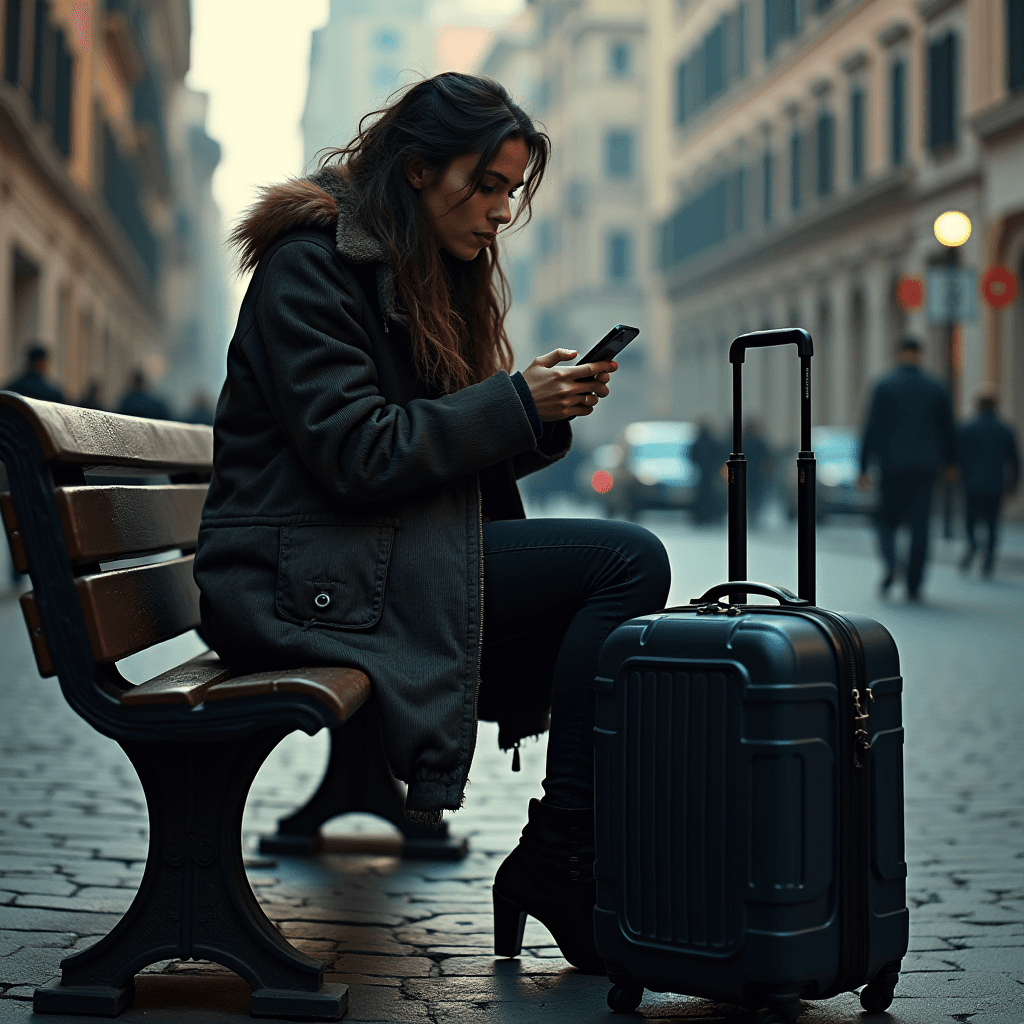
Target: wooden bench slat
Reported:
[(128, 610), (206, 679), (185, 684), (104, 523), (100, 440), (34, 622)]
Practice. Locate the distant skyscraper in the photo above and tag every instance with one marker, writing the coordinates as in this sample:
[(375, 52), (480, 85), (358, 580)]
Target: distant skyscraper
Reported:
[(363, 53)]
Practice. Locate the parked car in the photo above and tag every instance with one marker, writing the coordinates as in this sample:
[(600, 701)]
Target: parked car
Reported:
[(837, 452), (647, 466)]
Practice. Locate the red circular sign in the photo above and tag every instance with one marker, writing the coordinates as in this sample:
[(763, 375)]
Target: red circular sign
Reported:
[(909, 292), (998, 286)]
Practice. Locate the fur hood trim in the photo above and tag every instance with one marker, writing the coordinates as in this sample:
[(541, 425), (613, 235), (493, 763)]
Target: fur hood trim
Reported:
[(323, 200)]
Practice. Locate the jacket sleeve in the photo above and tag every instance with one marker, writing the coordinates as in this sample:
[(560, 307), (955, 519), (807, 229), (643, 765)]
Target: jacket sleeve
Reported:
[(554, 444), (360, 447), (947, 430), (870, 439)]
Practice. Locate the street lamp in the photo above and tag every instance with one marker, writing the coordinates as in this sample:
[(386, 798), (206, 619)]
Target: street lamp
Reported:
[(951, 229)]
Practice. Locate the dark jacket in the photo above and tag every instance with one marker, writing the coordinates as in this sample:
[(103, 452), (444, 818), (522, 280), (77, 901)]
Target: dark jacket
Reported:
[(337, 473), (35, 385), (910, 424), (138, 402), (989, 460)]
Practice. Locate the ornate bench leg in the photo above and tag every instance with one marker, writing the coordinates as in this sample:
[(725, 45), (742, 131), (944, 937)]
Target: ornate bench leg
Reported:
[(195, 902), (358, 779)]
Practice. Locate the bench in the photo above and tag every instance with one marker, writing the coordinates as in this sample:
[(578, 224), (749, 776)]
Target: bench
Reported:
[(197, 734)]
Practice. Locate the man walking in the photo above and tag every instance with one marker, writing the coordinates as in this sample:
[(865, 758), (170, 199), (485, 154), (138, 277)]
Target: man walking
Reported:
[(33, 383), (989, 468), (910, 436)]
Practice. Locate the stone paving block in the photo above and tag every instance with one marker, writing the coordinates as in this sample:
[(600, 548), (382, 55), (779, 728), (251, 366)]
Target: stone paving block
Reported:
[(50, 884), (330, 977), (31, 966), (90, 899), (469, 966), (960, 985), (1008, 959), (370, 1004), (36, 919), (917, 962), (58, 939), (351, 938), (388, 966), (281, 915)]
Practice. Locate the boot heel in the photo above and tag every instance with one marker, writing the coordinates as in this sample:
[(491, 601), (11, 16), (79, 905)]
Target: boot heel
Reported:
[(509, 924)]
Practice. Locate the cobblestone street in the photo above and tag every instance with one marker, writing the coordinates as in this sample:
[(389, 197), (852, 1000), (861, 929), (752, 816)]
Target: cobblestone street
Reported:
[(413, 939)]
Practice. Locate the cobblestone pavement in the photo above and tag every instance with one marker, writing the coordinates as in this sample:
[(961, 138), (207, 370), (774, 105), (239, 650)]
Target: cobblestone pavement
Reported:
[(413, 939)]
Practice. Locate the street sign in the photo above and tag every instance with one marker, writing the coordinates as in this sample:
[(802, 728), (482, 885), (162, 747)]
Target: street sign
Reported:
[(951, 295), (999, 286), (909, 292)]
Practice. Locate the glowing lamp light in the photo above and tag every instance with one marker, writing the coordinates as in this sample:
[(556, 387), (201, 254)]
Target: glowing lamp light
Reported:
[(602, 481), (952, 228)]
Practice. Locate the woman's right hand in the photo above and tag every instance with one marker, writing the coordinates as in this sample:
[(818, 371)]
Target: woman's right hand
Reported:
[(560, 392)]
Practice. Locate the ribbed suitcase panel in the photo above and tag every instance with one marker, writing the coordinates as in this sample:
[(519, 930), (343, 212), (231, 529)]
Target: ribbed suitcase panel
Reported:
[(677, 736)]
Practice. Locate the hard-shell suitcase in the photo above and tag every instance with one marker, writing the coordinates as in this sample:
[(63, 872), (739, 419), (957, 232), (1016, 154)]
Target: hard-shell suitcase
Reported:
[(749, 784)]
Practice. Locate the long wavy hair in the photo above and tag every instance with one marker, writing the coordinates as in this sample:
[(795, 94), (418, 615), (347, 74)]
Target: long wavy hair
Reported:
[(456, 309)]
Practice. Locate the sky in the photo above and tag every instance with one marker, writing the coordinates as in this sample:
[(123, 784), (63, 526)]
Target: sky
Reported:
[(252, 58)]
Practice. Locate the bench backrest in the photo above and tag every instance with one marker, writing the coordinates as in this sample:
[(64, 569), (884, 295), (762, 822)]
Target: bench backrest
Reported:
[(74, 506)]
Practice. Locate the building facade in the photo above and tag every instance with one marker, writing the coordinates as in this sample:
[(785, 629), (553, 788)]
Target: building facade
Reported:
[(363, 53), (581, 261), (92, 209), (800, 152)]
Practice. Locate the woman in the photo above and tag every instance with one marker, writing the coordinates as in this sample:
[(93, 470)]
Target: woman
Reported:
[(364, 508)]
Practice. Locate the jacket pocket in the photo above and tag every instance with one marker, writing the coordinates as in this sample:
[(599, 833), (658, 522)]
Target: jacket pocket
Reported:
[(333, 575)]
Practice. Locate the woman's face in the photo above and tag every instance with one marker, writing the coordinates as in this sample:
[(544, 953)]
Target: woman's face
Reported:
[(464, 228)]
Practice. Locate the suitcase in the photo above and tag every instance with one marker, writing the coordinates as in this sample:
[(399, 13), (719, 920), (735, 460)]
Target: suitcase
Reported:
[(749, 784)]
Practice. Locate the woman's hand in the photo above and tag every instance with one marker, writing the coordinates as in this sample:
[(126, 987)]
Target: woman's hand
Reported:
[(560, 392)]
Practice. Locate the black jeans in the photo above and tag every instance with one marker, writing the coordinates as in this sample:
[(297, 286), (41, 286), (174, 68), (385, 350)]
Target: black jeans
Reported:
[(983, 508), (553, 591), (906, 498)]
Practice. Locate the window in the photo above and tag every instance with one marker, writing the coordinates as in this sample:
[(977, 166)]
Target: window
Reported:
[(741, 39), (767, 184), (781, 21), (826, 148), (898, 113), (942, 93), (714, 62), (682, 73), (40, 24), (699, 224), (12, 39), (620, 60), (547, 237), (795, 181), (62, 97), (619, 154), (820, 6), (620, 256), (856, 134), (1015, 44)]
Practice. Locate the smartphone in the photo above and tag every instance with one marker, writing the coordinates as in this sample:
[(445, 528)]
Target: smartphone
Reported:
[(610, 345)]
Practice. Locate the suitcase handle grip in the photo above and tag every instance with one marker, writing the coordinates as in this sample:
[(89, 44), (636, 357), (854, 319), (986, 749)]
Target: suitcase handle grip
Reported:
[(737, 464), (781, 594)]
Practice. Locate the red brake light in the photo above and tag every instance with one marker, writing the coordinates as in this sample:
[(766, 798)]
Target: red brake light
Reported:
[(602, 481)]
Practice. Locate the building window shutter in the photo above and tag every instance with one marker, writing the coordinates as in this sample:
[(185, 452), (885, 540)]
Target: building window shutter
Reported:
[(826, 146), (767, 182), (12, 42), (1015, 44), (942, 93), (795, 183), (619, 154), (857, 135), (62, 97), (899, 113), (714, 62), (39, 24)]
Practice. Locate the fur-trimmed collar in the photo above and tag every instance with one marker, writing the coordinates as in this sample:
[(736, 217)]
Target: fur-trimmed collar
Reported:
[(323, 200)]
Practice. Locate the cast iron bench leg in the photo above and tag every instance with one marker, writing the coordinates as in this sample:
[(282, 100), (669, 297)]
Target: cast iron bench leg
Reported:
[(358, 779), (195, 902)]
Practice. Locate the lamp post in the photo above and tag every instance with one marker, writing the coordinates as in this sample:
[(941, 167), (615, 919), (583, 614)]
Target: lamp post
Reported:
[(951, 229)]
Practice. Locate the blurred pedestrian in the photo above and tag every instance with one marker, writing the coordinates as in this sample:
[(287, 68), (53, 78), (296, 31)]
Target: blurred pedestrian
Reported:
[(138, 400), (760, 469), (708, 454), (989, 468), (92, 397), (33, 383), (910, 436), (202, 410)]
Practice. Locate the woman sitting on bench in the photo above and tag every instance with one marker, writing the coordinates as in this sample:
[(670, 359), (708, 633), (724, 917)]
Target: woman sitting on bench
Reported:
[(364, 508)]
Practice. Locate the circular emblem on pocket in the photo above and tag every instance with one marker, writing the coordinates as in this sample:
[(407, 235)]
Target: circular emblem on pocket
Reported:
[(322, 600)]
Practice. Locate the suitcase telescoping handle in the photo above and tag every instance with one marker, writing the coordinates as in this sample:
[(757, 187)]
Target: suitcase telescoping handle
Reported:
[(781, 594), (805, 463)]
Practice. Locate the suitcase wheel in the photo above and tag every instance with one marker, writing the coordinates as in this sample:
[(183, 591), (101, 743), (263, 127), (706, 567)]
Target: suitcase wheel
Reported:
[(783, 1009), (876, 997), (625, 998)]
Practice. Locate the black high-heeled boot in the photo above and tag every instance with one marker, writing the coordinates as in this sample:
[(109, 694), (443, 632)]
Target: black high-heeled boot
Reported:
[(550, 876)]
